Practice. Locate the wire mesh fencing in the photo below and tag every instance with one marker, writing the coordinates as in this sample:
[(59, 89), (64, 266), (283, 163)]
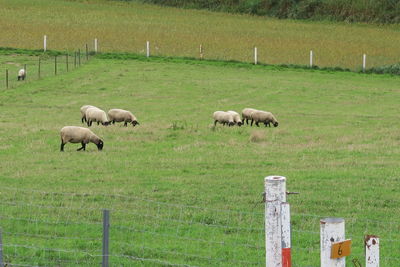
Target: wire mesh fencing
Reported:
[(66, 229)]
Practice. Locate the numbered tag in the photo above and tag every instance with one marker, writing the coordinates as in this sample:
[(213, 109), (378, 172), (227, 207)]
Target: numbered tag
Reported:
[(341, 249)]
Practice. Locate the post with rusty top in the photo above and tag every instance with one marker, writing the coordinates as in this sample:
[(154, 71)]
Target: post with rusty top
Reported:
[(275, 194), (371, 251), (332, 230)]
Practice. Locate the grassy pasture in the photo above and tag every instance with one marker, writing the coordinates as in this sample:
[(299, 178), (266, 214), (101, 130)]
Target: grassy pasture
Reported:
[(181, 191), (122, 26)]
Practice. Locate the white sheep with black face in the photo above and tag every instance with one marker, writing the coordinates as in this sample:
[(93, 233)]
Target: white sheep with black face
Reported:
[(264, 117), (223, 118), (94, 114), (121, 115), (21, 74), (236, 118), (75, 134)]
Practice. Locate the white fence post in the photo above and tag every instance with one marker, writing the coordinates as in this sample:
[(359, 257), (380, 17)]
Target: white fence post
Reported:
[(275, 194), (255, 56), (286, 236), (148, 49), (95, 45), (311, 58), (45, 43), (332, 230), (364, 62), (371, 251)]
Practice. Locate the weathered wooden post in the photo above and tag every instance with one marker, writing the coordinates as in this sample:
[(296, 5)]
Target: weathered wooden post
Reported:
[(275, 194), (371, 251), (334, 247)]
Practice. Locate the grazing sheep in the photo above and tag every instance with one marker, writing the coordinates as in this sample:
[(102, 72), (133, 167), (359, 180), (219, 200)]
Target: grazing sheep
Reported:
[(94, 114), (21, 74), (83, 111), (264, 117), (246, 115), (120, 115), (223, 118), (236, 117), (75, 134)]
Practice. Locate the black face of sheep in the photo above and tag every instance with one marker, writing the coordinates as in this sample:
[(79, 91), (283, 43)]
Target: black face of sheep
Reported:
[(134, 123), (275, 124), (106, 123), (240, 123), (231, 123), (100, 145)]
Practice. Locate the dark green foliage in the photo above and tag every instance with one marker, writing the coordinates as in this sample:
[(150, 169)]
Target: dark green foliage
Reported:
[(381, 11)]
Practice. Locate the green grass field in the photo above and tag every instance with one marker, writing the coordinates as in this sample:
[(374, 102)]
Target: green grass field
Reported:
[(126, 26), (181, 191)]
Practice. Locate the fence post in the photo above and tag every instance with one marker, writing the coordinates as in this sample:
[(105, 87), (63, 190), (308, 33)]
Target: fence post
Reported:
[(364, 62), (25, 71), (39, 68), (371, 251), (201, 51), (66, 60), (332, 230), (1, 251), (45, 43), (255, 55), (148, 49), (275, 194), (311, 58), (75, 59), (87, 54), (55, 65), (106, 228), (286, 236), (79, 57), (95, 45), (6, 78)]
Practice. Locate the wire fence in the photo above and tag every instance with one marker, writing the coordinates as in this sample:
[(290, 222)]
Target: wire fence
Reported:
[(51, 228), (39, 66)]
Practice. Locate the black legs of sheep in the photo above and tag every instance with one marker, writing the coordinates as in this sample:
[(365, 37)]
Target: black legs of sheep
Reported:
[(62, 146), (83, 147)]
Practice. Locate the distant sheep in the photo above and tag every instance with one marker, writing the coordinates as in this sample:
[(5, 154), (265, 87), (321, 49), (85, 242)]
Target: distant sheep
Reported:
[(21, 74), (94, 114), (120, 115), (246, 115), (83, 112), (264, 117), (223, 118), (236, 117), (75, 134)]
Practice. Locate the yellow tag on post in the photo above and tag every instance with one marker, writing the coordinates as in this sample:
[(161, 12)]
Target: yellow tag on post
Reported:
[(341, 249)]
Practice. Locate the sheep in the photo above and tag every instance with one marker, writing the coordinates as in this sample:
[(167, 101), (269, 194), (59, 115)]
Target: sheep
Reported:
[(264, 117), (223, 118), (236, 117), (120, 115), (246, 115), (75, 134), (83, 111), (94, 114), (21, 74)]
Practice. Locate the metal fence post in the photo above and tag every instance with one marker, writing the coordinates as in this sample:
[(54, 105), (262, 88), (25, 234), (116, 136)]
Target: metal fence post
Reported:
[(7, 78), (332, 230), (371, 251), (25, 71), (55, 65), (106, 228), (286, 236), (275, 194), (1, 251)]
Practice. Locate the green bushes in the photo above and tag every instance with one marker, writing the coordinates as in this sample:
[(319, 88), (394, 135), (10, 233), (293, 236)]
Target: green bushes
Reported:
[(381, 11)]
